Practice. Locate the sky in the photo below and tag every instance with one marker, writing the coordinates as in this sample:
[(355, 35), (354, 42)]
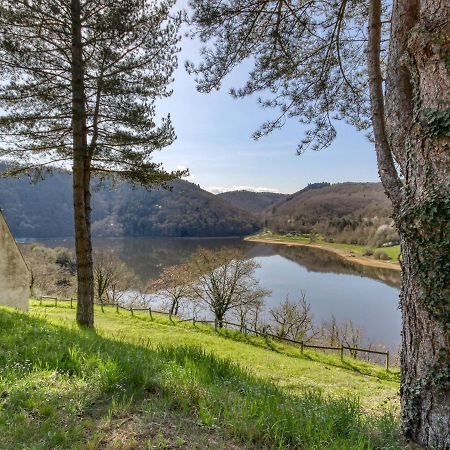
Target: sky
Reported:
[(214, 141)]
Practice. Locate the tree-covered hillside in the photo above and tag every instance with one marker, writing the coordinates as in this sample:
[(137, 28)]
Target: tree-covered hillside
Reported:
[(45, 210), (254, 202), (353, 212)]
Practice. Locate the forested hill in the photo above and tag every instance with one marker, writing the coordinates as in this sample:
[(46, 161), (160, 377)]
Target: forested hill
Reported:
[(351, 212), (45, 210), (324, 200), (254, 202)]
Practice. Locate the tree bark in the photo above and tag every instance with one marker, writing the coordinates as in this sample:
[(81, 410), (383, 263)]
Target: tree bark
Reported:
[(81, 178), (414, 131)]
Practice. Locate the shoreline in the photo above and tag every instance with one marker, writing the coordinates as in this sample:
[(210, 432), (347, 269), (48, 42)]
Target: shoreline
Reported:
[(344, 254)]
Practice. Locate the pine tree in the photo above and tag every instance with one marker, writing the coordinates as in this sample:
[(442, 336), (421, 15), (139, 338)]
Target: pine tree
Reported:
[(318, 61), (79, 84)]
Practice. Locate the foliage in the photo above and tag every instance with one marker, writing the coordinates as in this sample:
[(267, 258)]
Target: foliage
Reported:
[(128, 55), (426, 224), (309, 60), (253, 202), (380, 254), (79, 84), (52, 270), (436, 122), (186, 211), (346, 212), (120, 210)]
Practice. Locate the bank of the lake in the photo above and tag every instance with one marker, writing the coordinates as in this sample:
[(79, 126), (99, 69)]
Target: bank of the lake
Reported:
[(334, 286), (350, 252)]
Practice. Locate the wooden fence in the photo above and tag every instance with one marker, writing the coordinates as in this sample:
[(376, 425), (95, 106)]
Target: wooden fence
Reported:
[(353, 350)]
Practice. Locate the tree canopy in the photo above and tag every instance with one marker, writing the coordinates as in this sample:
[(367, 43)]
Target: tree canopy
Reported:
[(308, 59)]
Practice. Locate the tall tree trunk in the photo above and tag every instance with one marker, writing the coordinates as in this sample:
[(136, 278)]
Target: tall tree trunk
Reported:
[(81, 178), (414, 130)]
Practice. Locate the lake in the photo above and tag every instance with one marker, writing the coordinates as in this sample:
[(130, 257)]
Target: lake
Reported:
[(334, 287)]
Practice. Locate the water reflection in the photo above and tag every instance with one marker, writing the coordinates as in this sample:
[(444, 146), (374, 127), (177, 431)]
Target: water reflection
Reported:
[(366, 295)]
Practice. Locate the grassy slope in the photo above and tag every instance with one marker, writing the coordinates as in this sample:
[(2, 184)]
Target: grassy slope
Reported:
[(61, 387), (393, 251)]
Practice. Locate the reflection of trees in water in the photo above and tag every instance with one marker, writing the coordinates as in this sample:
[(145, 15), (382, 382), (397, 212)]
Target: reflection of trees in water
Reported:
[(317, 260), (148, 257)]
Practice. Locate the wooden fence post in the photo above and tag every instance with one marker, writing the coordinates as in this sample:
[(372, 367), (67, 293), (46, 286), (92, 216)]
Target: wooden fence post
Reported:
[(387, 361), (40, 301), (342, 353), (117, 308), (215, 324), (56, 301), (193, 321), (150, 313), (71, 300), (301, 347), (131, 309)]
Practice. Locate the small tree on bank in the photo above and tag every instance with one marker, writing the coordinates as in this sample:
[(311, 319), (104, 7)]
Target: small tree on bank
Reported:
[(293, 319), (52, 270), (175, 285), (318, 61), (79, 81), (113, 279), (249, 314), (225, 281)]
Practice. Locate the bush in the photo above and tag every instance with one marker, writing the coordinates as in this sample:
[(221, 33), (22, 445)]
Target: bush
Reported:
[(368, 252), (381, 255)]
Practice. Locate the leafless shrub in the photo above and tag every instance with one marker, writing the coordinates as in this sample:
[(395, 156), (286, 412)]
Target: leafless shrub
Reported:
[(113, 279), (249, 314), (225, 281), (52, 270), (293, 319), (175, 285)]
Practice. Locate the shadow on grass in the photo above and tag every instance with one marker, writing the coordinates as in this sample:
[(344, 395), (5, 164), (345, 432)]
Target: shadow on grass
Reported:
[(357, 366), (55, 377)]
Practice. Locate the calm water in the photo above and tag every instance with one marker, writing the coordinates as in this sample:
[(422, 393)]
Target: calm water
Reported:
[(365, 295)]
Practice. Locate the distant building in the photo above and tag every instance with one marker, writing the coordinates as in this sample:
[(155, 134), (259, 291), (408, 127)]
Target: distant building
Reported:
[(14, 274)]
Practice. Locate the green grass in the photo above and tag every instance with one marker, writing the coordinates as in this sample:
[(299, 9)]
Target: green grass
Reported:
[(393, 251), (135, 383)]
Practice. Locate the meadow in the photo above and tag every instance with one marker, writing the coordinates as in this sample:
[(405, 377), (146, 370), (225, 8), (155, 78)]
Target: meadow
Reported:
[(141, 383)]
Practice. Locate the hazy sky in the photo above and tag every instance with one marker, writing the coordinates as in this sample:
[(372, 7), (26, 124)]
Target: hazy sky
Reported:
[(214, 141)]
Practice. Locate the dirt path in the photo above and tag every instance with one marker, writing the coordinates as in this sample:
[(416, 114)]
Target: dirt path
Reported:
[(345, 254)]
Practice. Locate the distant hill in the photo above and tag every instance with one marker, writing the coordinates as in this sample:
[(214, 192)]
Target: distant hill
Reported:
[(45, 210), (253, 202), (345, 211)]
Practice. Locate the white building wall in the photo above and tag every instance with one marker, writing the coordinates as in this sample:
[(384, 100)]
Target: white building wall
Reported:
[(14, 274)]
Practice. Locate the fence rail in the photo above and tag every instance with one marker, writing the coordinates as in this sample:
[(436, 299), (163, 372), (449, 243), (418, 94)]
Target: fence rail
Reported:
[(245, 330), (303, 345)]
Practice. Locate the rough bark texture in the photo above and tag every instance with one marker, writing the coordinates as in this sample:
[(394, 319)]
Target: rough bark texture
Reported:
[(416, 132), (81, 178)]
